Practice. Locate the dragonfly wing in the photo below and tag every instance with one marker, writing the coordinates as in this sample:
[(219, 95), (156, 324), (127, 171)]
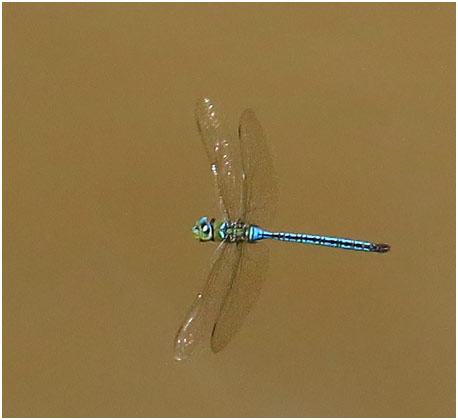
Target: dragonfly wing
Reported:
[(223, 152), (259, 184), (242, 292), (202, 314)]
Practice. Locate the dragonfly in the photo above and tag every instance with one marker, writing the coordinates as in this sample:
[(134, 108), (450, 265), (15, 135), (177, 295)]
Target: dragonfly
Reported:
[(247, 196)]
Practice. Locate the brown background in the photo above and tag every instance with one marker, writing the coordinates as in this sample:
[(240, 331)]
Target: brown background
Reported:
[(104, 174)]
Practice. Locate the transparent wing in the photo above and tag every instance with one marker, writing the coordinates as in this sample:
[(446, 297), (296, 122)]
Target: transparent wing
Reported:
[(242, 292), (202, 314), (259, 185), (223, 153)]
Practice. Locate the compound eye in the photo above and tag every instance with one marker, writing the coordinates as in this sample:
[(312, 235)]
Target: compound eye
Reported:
[(205, 228)]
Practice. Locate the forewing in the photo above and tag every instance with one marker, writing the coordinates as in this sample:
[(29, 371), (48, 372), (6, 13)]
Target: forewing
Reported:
[(242, 292), (202, 314), (259, 184), (223, 152)]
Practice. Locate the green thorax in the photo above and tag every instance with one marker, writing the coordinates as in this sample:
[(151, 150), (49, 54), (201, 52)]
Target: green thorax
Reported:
[(233, 232)]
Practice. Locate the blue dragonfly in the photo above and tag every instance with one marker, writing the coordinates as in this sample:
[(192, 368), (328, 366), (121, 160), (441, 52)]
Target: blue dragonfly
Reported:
[(247, 197)]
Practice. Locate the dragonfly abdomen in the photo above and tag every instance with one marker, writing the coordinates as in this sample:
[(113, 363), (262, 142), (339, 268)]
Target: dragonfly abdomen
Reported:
[(330, 241)]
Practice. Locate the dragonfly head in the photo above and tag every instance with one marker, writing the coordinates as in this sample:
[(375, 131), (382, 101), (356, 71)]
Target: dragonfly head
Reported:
[(203, 229)]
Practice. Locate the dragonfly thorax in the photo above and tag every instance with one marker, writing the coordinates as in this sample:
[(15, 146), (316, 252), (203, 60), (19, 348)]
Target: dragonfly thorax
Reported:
[(215, 230)]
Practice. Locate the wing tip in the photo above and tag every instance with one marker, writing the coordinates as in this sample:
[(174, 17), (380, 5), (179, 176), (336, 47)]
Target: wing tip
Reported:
[(204, 101)]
